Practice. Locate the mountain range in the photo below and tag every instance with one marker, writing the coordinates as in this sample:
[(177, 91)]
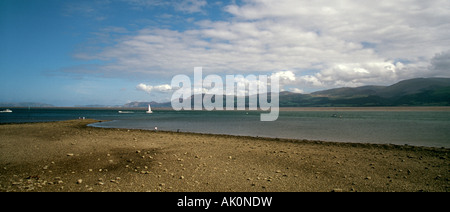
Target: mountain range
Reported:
[(412, 92)]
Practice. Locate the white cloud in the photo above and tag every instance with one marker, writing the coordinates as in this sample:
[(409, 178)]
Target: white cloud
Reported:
[(187, 6), (190, 6), (297, 90), (322, 43), (440, 63), (158, 88)]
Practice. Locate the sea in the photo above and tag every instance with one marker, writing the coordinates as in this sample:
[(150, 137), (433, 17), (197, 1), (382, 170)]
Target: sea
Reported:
[(416, 128)]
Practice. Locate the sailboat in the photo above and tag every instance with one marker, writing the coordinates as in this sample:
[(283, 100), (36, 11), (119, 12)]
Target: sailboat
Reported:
[(149, 109)]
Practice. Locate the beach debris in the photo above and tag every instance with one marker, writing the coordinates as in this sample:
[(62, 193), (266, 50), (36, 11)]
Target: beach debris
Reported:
[(58, 180), (337, 190)]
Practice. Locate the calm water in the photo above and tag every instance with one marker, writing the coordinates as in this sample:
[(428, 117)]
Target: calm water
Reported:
[(406, 127)]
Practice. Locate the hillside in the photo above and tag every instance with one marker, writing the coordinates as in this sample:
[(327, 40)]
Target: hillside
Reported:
[(412, 92), (24, 104)]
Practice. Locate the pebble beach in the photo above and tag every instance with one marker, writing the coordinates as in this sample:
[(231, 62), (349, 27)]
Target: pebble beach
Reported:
[(69, 156)]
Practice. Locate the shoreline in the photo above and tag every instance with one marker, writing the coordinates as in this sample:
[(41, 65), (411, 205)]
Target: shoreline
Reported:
[(381, 108), (71, 156), (278, 139)]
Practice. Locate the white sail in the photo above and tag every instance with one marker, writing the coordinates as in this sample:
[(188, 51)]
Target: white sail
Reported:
[(149, 110)]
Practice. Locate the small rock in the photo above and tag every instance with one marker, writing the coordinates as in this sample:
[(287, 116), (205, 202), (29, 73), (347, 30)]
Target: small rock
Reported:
[(70, 154), (182, 177), (337, 190), (79, 181), (368, 178)]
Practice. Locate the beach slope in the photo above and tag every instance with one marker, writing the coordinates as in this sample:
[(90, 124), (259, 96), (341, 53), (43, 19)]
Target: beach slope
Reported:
[(70, 156)]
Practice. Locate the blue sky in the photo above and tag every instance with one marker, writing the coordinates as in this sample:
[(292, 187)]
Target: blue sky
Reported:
[(110, 52)]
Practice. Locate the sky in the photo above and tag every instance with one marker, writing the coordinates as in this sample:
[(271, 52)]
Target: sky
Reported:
[(111, 52)]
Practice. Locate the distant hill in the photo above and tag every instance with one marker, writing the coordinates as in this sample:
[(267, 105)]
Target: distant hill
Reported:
[(145, 104), (24, 104), (414, 86), (347, 92), (412, 92)]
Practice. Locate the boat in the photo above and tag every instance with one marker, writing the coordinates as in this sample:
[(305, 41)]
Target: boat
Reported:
[(120, 111), (6, 111), (149, 109)]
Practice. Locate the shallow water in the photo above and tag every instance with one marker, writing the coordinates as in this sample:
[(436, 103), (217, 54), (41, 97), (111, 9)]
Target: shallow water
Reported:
[(420, 128)]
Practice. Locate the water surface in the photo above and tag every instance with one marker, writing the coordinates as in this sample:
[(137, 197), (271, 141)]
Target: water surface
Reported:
[(421, 128)]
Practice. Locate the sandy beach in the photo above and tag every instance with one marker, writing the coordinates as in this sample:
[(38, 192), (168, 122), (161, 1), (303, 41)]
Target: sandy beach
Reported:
[(70, 156)]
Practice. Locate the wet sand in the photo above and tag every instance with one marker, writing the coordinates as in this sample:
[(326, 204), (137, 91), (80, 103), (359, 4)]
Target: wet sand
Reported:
[(69, 156)]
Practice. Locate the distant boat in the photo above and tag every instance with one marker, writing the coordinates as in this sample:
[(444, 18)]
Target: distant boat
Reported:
[(6, 111), (120, 111), (149, 109)]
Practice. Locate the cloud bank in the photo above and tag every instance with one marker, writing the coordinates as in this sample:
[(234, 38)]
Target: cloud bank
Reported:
[(310, 44)]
